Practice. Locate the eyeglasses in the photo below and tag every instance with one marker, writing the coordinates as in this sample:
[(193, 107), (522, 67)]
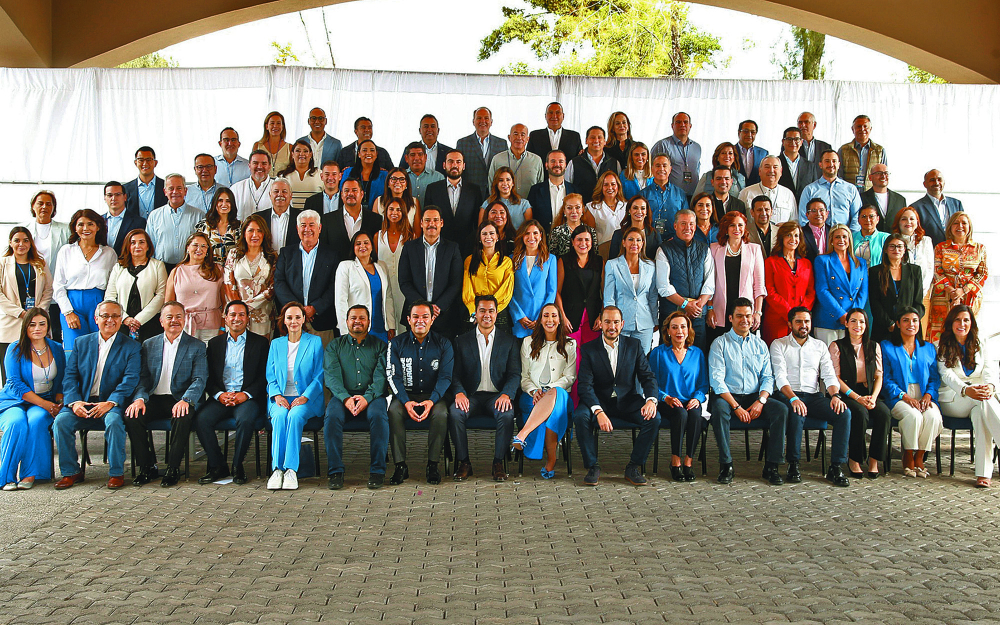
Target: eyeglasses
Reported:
[(792, 139), (396, 179), (816, 210), (315, 118), (203, 167), (899, 247), (106, 316), (880, 173)]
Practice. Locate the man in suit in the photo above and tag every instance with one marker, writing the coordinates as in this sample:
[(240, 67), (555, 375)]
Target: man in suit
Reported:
[(230, 167), (349, 153), (816, 231), (526, 167), (812, 148), (327, 200), (759, 229), (554, 136), (325, 147), (237, 389), (547, 196), (354, 366), (421, 177), (171, 383), (796, 170), (280, 217), (458, 201), (611, 370), (782, 199), (934, 208), (430, 269), (253, 194), (340, 226), (479, 148), (885, 201), (584, 170), (722, 182), (305, 273), (486, 377), (120, 222), (145, 193), (102, 372), (436, 153), (748, 155)]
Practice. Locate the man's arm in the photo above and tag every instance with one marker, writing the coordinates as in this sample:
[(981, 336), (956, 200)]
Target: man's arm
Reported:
[(130, 372), (405, 276), (378, 386), (512, 372), (146, 382), (282, 288), (446, 366), (199, 373)]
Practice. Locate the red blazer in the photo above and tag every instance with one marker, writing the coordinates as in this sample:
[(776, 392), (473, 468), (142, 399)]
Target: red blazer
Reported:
[(785, 291)]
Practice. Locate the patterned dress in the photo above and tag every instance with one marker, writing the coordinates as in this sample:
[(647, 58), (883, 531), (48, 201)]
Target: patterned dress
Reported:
[(254, 281), (560, 242), (221, 243), (956, 266)]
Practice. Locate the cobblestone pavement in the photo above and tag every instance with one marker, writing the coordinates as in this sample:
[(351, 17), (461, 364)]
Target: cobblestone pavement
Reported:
[(893, 550)]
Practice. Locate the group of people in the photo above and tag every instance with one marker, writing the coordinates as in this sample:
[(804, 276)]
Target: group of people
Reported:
[(611, 283)]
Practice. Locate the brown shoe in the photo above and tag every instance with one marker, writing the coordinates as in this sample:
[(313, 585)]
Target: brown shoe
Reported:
[(69, 480), (499, 475), (463, 471), (116, 481)]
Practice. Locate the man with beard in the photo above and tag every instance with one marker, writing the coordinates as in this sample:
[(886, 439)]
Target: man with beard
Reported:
[(459, 202), (546, 197)]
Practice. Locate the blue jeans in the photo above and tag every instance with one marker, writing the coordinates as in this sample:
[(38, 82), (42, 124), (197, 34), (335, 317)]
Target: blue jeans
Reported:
[(67, 424), (773, 418), (286, 433), (818, 410), (377, 414)]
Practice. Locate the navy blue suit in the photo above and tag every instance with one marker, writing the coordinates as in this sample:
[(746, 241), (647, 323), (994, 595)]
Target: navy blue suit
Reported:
[(541, 202), (447, 289), (131, 189), (130, 222), (288, 283), (929, 219)]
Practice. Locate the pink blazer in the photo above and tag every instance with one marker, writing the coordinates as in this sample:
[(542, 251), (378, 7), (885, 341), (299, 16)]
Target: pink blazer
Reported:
[(751, 277)]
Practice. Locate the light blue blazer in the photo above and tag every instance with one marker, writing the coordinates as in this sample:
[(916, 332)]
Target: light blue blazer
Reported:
[(638, 306), (925, 371), (121, 369), (308, 370), (331, 150), (836, 293), (21, 380), (188, 376), (532, 292)]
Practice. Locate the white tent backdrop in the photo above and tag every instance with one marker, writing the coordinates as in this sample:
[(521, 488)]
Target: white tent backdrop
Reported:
[(71, 129)]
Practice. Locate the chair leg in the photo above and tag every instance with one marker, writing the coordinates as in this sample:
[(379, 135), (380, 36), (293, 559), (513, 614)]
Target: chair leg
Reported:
[(806, 437), (746, 440), (937, 452), (765, 437), (704, 455), (256, 445), (86, 452), (821, 446), (225, 446), (567, 449)]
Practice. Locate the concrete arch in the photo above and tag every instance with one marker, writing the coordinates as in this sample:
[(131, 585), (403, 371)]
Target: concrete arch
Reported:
[(960, 42)]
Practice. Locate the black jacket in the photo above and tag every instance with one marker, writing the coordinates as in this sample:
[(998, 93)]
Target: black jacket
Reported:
[(459, 226), (596, 381), (254, 366), (505, 363)]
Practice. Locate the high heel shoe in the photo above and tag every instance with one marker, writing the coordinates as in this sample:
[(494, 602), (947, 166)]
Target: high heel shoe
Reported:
[(516, 445), (548, 474), (688, 474), (676, 474)]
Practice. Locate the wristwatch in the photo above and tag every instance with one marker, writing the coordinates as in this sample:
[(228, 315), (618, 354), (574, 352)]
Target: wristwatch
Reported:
[(762, 400), (901, 395)]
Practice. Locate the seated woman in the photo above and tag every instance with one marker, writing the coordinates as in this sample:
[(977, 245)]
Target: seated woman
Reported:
[(504, 190), (572, 214), (536, 278), (960, 273), (893, 284), (841, 284), (25, 282), (637, 172), (488, 272), (139, 283), (364, 280), (911, 388), (857, 360), (630, 284), (682, 377), (968, 385), (295, 392), (30, 400), (637, 215), (707, 227), (548, 371), (788, 278), (196, 282)]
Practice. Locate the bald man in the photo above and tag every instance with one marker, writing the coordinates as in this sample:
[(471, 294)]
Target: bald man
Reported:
[(527, 167)]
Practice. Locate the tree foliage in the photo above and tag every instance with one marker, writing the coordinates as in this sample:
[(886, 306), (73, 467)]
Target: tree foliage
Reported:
[(606, 38), (915, 74), (153, 59), (283, 53), (803, 56)]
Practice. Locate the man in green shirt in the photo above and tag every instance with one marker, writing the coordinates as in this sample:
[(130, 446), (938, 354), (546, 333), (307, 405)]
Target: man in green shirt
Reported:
[(354, 367)]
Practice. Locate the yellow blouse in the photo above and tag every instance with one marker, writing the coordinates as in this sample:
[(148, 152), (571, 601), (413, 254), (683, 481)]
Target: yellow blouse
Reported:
[(495, 276)]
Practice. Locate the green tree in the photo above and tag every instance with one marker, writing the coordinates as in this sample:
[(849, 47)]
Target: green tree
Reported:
[(153, 59), (606, 38), (803, 56), (283, 53), (915, 74)]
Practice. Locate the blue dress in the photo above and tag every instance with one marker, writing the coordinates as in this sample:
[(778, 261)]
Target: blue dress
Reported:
[(378, 315)]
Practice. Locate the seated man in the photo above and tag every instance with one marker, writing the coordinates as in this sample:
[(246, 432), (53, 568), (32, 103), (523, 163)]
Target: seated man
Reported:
[(354, 368), (237, 388), (800, 363), (101, 374), (419, 374), (171, 383), (739, 370), (610, 370), (486, 378)]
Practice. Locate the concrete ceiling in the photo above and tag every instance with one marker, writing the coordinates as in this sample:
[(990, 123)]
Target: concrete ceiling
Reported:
[(959, 42)]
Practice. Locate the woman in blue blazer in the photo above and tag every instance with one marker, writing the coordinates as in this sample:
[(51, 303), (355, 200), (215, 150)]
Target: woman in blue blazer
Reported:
[(630, 284), (29, 402), (912, 380), (841, 284), (292, 400), (536, 278)]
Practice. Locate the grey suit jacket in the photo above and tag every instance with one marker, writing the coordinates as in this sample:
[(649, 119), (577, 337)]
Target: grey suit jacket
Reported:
[(189, 374), (476, 167), (806, 173)]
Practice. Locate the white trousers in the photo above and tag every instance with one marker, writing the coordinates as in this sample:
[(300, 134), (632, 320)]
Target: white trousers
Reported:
[(918, 429), (985, 417), (828, 336)]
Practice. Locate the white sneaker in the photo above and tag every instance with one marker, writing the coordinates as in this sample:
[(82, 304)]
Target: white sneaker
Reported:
[(291, 481), (274, 482)]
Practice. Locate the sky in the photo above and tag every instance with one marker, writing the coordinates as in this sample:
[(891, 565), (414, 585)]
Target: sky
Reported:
[(448, 36)]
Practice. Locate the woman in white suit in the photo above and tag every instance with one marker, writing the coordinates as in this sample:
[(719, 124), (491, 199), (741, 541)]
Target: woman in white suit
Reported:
[(630, 284), (139, 283), (739, 272), (968, 385), (25, 283), (365, 281)]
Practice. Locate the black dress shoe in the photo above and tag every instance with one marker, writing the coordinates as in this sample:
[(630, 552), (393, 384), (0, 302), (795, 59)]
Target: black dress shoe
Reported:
[(593, 476), (688, 474), (375, 481), (239, 475), (463, 471), (433, 474), (794, 476), (400, 474), (213, 475), (676, 474), (836, 476), (857, 474), (634, 475), (335, 481), (143, 478), (171, 478), (772, 475), (726, 474), (872, 475)]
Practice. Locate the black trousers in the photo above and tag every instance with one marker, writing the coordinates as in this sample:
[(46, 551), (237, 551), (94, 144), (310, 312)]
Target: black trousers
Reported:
[(878, 419), (683, 423), (211, 413), (158, 407)]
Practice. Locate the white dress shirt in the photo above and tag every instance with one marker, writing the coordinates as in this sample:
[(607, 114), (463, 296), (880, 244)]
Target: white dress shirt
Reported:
[(665, 289), (557, 192), (279, 228), (103, 349), (250, 198), (75, 273), (782, 199), (607, 220), (352, 224), (554, 137), (167, 366), (454, 193), (802, 366), (485, 342)]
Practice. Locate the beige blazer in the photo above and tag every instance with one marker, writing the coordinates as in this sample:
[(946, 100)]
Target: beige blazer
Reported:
[(10, 301), (562, 370)]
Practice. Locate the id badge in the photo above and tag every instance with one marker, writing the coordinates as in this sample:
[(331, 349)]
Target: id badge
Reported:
[(660, 225), (859, 182), (29, 302), (688, 177)]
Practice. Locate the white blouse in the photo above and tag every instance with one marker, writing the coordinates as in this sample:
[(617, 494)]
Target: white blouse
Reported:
[(291, 389), (608, 220), (44, 377), (922, 256), (73, 272)]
